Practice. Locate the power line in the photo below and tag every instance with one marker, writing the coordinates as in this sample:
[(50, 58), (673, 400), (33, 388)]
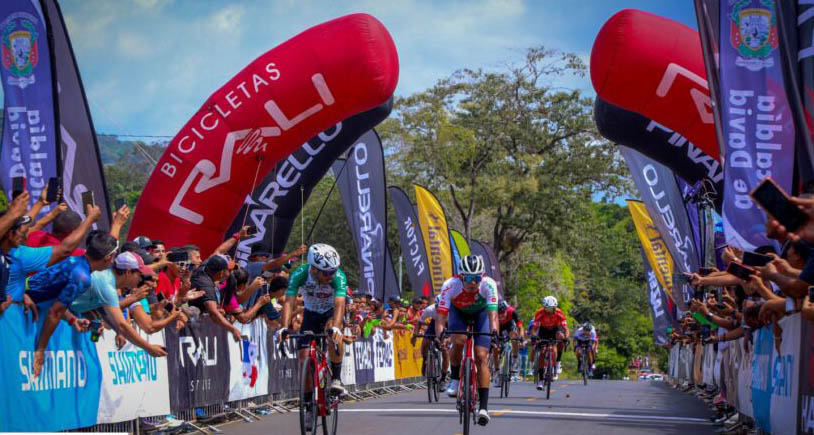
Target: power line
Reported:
[(135, 135)]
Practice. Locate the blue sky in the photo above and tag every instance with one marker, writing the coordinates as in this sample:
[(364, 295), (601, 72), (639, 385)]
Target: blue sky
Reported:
[(147, 65)]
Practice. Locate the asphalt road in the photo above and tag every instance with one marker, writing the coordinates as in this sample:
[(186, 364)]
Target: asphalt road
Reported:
[(602, 407)]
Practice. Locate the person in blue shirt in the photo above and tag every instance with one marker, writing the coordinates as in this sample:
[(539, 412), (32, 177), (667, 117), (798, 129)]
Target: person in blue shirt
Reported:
[(13, 218), (24, 260), (66, 281)]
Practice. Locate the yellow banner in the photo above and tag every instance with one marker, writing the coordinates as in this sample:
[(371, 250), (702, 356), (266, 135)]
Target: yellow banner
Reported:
[(461, 243), (436, 236), (654, 246), (407, 355)]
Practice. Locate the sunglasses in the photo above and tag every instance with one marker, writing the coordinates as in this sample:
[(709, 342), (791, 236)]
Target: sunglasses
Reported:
[(472, 278)]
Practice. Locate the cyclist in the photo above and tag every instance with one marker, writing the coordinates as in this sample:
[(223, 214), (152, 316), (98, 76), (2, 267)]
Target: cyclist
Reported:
[(550, 324), (585, 335), (323, 287), (426, 321), (508, 324), (470, 296)]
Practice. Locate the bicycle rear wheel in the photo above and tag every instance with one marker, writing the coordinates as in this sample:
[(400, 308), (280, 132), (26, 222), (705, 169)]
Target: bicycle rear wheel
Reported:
[(467, 387), (307, 370)]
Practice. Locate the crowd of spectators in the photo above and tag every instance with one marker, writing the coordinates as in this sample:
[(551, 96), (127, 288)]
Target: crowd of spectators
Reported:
[(143, 282)]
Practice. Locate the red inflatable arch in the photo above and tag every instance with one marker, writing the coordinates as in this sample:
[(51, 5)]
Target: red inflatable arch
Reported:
[(286, 96), (654, 66)]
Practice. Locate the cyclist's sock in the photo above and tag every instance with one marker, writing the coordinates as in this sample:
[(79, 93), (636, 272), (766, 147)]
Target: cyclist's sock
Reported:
[(483, 394), (456, 373), (336, 370)]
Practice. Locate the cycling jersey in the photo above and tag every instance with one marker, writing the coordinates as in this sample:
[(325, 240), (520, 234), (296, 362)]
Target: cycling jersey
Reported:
[(510, 316), (550, 321), (428, 315), (454, 295), (581, 335), (315, 296)]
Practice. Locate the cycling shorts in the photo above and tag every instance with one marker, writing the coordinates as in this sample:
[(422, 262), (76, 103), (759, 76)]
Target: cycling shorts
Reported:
[(550, 334), (507, 327), (314, 322), (458, 319)]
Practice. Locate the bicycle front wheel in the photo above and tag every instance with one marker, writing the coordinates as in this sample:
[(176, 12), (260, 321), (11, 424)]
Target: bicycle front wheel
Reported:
[(330, 422), (437, 374), (305, 405), (584, 368), (468, 398), (509, 364), (429, 369)]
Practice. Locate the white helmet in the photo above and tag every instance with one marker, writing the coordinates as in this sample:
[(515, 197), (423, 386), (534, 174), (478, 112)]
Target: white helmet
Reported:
[(323, 257), (550, 302), (471, 265)]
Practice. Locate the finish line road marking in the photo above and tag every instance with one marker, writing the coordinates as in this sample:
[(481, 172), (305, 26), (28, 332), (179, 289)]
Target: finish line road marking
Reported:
[(544, 413)]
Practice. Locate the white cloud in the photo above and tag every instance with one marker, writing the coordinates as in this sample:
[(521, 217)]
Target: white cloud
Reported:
[(228, 20), (131, 45)]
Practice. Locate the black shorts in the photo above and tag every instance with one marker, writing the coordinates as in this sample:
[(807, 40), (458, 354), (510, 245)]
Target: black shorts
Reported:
[(314, 322), (549, 334), (507, 328)]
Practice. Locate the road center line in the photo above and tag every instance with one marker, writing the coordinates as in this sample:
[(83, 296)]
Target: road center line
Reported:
[(543, 413)]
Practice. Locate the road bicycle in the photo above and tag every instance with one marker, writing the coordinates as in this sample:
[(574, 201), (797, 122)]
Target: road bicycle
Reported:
[(468, 385), (584, 362), (432, 367), (546, 352), (317, 372), (506, 365)]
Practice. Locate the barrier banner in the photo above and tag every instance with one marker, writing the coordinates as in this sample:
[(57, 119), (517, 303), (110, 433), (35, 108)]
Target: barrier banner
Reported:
[(755, 120), (785, 374), (745, 380), (433, 224), (363, 360), (761, 381), (249, 371), (198, 358), (65, 395), (383, 361), (698, 364), (348, 374), (406, 364), (134, 384), (284, 368), (717, 371), (361, 184), (29, 145), (735, 352), (275, 203), (806, 382), (708, 366), (672, 366), (81, 160)]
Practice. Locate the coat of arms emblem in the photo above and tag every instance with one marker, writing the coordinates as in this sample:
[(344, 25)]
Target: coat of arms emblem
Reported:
[(19, 49), (753, 33)]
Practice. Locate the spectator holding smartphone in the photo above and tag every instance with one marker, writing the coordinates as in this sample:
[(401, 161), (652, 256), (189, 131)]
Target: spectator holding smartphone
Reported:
[(206, 277)]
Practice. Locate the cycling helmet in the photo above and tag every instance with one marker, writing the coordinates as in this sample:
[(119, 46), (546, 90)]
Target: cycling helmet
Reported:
[(587, 326), (550, 302), (471, 265), (502, 306), (323, 257), (437, 300)]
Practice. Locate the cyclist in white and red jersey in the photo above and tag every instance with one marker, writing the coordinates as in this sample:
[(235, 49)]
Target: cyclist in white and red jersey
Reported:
[(550, 324), (509, 323), (426, 326), (586, 334), (470, 296)]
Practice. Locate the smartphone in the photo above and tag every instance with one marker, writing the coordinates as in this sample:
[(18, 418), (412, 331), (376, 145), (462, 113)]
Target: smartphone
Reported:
[(704, 271), (252, 230), (87, 199), (169, 306), (739, 270), (53, 193), (754, 259), (681, 278), (177, 257), (160, 297), (118, 204), (771, 198), (17, 186)]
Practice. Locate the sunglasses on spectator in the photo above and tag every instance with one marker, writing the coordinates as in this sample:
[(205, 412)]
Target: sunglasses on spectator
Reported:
[(472, 278)]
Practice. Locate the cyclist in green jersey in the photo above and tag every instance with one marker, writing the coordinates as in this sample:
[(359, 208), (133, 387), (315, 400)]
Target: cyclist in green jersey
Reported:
[(323, 288)]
